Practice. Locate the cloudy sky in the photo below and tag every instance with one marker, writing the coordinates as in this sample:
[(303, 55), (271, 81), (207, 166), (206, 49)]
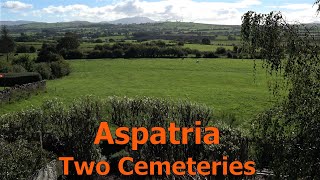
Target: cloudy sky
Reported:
[(202, 11)]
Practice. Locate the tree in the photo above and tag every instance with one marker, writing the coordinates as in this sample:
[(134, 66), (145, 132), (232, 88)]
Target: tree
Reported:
[(318, 4), (286, 137), (221, 50), (22, 49), (69, 42), (23, 38), (206, 41), (32, 49), (48, 53), (7, 45)]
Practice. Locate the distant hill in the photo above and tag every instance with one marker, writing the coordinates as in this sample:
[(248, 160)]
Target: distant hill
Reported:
[(136, 24), (72, 24), (132, 20), (14, 23)]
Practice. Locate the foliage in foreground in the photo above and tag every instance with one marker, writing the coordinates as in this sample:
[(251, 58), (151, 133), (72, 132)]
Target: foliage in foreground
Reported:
[(70, 131), (287, 136)]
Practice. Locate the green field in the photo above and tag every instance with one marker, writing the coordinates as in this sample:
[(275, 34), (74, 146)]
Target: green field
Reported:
[(202, 47), (223, 84)]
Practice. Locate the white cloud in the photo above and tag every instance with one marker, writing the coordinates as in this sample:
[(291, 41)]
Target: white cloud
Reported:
[(302, 13), (293, 6), (175, 10), (181, 10), (16, 5)]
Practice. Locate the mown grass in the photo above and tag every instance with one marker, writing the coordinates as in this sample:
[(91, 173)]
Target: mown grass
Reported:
[(226, 85)]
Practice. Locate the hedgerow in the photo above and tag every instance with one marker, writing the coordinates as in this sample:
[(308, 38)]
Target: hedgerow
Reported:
[(12, 79), (69, 130)]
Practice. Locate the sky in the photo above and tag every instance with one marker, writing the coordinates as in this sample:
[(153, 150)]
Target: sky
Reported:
[(200, 11)]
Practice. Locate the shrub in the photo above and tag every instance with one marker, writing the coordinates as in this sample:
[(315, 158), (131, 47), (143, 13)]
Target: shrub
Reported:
[(50, 57), (117, 53), (69, 41), (180, 43), (147, 112), (229, 55), (5, 67), (60, 69), (20, 159), (70, 131), (22, 49), (18, 69), (98, 41), (48, 53), (44, 70), (95, 54), (209, 55), (198, 54), (221, 50), (65, 131), (24, 61), (206, 41), (32, 49), (73, 54), (236, 49), (12, 79)]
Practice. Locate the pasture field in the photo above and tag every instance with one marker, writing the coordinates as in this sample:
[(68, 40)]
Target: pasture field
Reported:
[(228, 86), (202, 47)]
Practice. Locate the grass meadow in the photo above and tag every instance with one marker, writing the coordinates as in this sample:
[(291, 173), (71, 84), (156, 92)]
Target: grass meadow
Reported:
[(202, 47), (228, 86)]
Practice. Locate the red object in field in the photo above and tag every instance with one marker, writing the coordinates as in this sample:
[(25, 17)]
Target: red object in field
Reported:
[(1, 75)]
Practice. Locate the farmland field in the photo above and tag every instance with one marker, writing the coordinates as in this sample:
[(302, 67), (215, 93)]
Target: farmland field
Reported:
[(223, 84), (202, 47)]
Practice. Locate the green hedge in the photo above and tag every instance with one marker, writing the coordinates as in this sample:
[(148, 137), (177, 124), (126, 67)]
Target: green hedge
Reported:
[(12, 79)]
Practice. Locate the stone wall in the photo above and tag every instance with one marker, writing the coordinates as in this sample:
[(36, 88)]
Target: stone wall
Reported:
[(21, 91)]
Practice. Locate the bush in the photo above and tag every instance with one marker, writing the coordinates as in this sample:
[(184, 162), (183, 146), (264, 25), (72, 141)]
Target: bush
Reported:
[(209, 55), (230, 55), (32, 49), (12, 79), (73, 54), (221, 50), (206, 41), (69, 42), (48, 53), (60, 69), (147, 112), (22, 49), (18, 69), (5, 67), (66, 131), (180, 43), (24, 61), (20, 159), (98, 41), (44, 70), (198, 54), (50, 57), (95, 54), (70, 131)]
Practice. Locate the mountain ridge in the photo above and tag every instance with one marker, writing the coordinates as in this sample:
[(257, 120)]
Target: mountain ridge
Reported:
[(129, 20)]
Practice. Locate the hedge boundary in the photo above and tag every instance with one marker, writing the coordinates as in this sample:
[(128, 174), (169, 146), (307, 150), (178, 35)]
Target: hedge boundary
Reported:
[(13, 79), (23, 91)]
